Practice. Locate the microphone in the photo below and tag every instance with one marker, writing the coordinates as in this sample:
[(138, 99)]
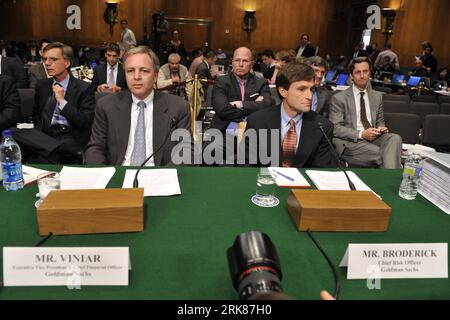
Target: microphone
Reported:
[(336, 156), (172, 124)]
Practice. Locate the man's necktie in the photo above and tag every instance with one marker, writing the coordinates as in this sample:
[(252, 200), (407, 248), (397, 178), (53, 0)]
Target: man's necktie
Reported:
[(111, 80), (364, 121), (139, 150), (53, 105), (290, 146)]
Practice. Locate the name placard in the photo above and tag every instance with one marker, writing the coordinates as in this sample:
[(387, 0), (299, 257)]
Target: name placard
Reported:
[(71, 267), (396, 261)]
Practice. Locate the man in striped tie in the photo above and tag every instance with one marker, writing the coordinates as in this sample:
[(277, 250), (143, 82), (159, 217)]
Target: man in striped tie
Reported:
[(294, 137), (134, 124)]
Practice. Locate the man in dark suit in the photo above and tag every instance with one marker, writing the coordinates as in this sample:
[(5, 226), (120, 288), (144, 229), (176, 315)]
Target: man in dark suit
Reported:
[(321, 96), (239, 93), (13, 68), (305, 49), (268, 58), (9, 103), (110, 77), (37, 71), (299, 140), (63, 112), (132, 124), (358, 118), (204, 68)]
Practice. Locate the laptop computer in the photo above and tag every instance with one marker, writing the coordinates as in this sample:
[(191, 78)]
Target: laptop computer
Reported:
[(330, 75), (398, 78), (413, 81), (342, 80)]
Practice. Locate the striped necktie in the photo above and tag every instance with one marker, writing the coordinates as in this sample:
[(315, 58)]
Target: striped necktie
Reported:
[(290, 146), (139, 150)]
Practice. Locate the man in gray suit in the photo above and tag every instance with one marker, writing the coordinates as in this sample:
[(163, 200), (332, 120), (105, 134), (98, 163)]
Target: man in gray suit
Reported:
[(132, 124), (357, 115)]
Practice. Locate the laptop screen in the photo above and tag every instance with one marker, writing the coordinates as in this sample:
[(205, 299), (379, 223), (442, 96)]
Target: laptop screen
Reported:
[(330, 75), (342, 80), (398, 78), (413, 81)]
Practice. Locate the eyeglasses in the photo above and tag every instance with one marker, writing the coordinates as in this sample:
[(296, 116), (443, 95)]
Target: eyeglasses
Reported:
[(245, 62)]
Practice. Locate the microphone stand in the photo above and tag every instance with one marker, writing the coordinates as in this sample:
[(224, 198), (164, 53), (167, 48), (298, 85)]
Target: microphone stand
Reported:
[(350, 183), (135, 181)]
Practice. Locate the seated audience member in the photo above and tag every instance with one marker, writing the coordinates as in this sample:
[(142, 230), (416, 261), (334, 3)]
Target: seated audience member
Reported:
[(110, 77), (305, 49), (342, 65), (281, 59), (387, 52), (204, 68), (63, 112), (292, 55), (38, 71), (197, 58), (429, 60), (132, 124), (357, 115), (419, 69), (13, 68), (9, 103), (385, 66), (172, 74), (268, 58), (301, 142), (443, 75), (359, 51), (321, 96), (221, 55), (32, 53), (238, 94)]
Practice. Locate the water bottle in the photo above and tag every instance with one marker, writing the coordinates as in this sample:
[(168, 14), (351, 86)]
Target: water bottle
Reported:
[(11, 163), (411, 175)]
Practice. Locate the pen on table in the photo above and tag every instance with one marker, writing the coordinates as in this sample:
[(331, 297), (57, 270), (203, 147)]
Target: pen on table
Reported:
[(283, 175)]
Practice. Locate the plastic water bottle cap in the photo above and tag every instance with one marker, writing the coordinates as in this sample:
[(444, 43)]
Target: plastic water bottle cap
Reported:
[(7, 133)]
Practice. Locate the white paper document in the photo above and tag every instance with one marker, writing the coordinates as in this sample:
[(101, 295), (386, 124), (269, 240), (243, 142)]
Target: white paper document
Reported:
[(31, 174), (85, 178), (289, 178), (328, 180), (156, 182)]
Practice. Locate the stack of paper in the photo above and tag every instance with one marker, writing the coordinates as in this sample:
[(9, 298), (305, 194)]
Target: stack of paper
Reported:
[(31, 174), (328, 180), (85, 178), (156, 182), (435, 180), (289, 178)]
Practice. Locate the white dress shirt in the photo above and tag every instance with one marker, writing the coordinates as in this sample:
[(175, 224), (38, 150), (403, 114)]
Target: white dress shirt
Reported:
[(0, 64), (148, 129), (357, 95)]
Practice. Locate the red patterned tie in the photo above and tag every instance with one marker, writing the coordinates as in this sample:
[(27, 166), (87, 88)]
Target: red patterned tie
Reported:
[(290, 146)]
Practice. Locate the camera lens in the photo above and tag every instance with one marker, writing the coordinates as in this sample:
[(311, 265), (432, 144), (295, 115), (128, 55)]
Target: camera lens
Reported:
[(254, 265)]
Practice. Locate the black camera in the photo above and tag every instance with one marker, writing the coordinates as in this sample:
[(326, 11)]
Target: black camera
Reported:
[(254, 266)]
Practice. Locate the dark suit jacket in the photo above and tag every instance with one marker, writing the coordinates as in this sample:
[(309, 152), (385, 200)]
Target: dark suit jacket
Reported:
[(203, 71), (11, 67), (9, 103), (226, 89), (36, 73), (100, 76), (79, 110), (309, 51), (313, 150), (268, 73), (111, 129), (323, 101)]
